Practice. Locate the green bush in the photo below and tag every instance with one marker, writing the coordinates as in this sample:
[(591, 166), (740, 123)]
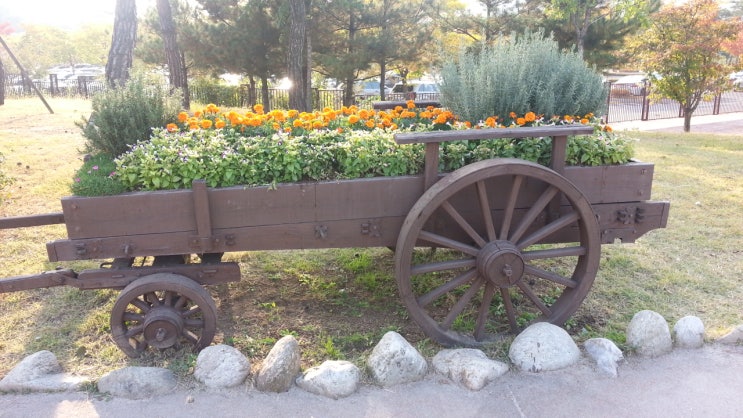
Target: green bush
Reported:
[(210, 90), (123, 116), (520, 74), (97, 177)]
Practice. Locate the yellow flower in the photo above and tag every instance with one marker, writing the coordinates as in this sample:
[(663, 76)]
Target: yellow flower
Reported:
[(206, 124), (212, 108), (297, 123), (317, 124), (182, 117), (353, 119), (293, 113), (258, 108), (219, 123), (171, 127), (193, 126)]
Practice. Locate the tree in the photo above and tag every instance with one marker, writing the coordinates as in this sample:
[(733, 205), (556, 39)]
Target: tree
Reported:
[(177, 73), (582, 14), (299, 56), (681, 50), (121, 54)]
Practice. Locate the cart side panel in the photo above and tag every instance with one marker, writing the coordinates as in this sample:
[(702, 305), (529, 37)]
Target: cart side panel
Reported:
[(613, 183)]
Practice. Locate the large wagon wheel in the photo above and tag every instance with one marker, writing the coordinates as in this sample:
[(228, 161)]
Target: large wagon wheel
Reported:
[(160, 311), (515, 243)]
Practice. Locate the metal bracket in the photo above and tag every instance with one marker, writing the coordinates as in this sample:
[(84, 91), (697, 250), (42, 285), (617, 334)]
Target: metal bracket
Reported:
[(321, 231), (371, 228), (631, 215)]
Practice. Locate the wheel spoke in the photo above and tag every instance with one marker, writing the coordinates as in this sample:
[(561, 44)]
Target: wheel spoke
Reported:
[(180, 302), (459, 219), (190, 336), (131, 332), (547, 230), (448, 243), (511, 206), (533, 213), (194, 323), (447, 287), (461, 304), (553, 253), (482, 315), (510, 311), (141, 304), (191, 312), (443, 266), (168, 298), (152, 298), (487, 215), (553, 277), (534, 298), (133, 317)]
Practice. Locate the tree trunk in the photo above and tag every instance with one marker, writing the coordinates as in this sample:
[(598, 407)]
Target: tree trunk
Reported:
[(124, 36), (265, 94), (297, 59), (687, 118), (178, 75)]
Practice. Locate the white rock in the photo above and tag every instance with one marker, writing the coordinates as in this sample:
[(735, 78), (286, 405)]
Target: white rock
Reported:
[(468, 367), (689, 332), (138, 382), (394, 361), (40, 372), (333, 379), (281, 366), (605, 353), (648, 334), (221, 366), (543, 347), (733, 337)]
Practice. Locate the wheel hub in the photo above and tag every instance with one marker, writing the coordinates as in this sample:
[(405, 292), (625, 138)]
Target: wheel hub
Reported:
[(500, 262), (162, 327)]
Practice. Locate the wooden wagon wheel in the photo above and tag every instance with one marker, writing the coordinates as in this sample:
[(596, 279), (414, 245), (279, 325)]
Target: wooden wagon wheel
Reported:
[(516, 243), (160, 311)]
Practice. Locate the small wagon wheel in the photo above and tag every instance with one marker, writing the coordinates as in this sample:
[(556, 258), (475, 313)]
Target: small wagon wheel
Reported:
[(160, 311), (516, 241)]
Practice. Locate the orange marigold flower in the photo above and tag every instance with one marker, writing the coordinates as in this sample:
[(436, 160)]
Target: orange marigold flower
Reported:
[(410, 104), (297, 123), (353, 119), (276, 126), (317, 124), (607, 128), (490, 122), (521, 121), (584, 121), (568, 118), (182, 117), (398, 109), (530, 117), (370, 123), (193, 126), (206, 124), (258, 108), (364, 114), (293, 113), (441, 119), (219, 123), (212, 108), (393, 126), (171, 127), (197, 114), (468, 124), (512, 115)]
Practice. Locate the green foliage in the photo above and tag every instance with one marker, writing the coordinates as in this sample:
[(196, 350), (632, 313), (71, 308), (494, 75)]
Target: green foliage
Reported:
[(520, 74), (172, 160), (97, 178), (122, 116), (210, 90)]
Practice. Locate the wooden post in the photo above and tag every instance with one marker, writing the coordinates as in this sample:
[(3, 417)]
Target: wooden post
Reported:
[(24, 75)]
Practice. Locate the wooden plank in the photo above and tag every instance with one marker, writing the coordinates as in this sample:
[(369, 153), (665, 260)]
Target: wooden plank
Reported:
[(32, 220), (492, 133), (613, 183)]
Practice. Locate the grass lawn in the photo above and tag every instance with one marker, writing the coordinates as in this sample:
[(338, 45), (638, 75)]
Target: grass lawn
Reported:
[(338, 303)]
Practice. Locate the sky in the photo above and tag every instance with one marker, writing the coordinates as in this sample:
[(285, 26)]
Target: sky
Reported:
[(67, 14)]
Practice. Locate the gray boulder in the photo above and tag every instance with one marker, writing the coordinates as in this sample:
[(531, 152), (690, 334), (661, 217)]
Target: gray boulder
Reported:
[(605, 353), (281, 366), (648, 334), (543, 347), (733, 337), (333, 379), (221, 366), (468, 367), (40, 372), (689, 332), (138, 382), (394, 361)]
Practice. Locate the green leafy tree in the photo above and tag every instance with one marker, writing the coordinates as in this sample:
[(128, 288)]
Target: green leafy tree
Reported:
[(580, 15), (681, 50)]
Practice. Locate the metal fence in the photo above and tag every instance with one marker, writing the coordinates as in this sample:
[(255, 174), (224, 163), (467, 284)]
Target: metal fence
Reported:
[(625, 102), (631, 102)]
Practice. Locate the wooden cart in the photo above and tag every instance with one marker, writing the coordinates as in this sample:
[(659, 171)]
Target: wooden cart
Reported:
[(486, 248)]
